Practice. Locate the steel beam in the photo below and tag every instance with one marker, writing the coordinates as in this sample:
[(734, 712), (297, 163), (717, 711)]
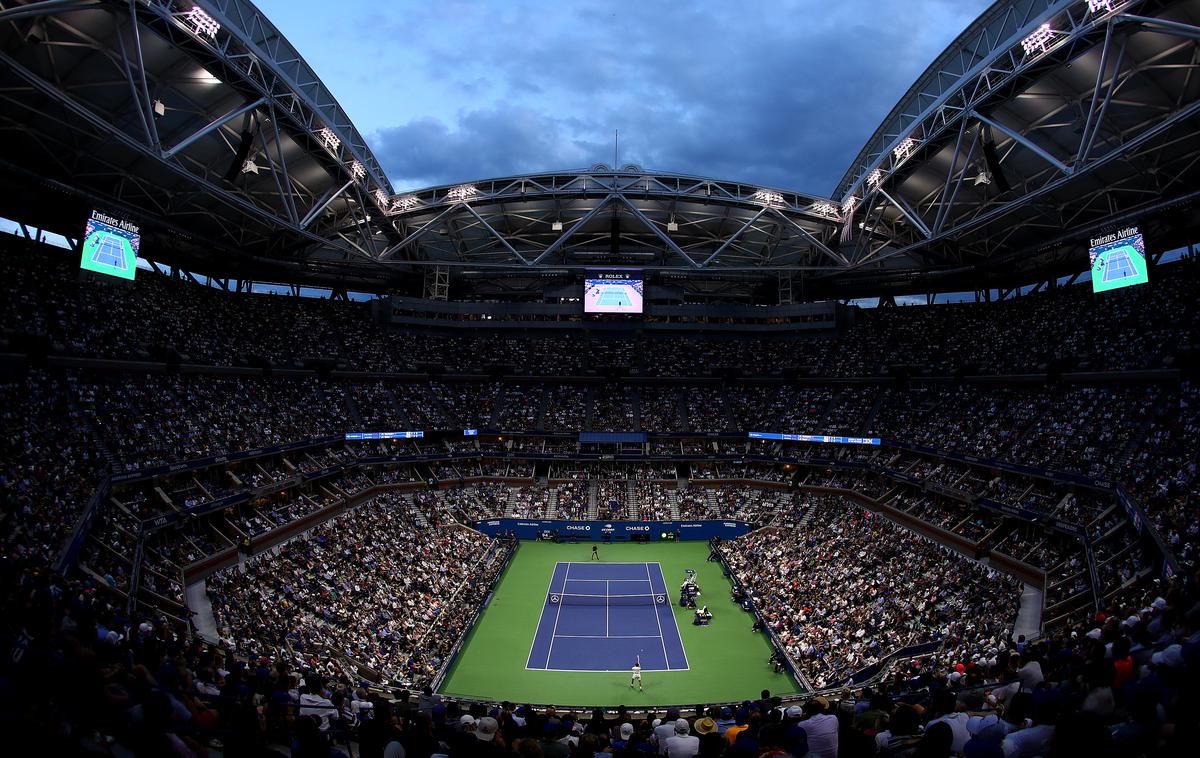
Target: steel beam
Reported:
[(1021, 139), (211, 126), (418, 234)]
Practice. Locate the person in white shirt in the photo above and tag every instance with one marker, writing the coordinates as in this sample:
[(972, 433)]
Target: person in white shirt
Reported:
[(942, 708), (821, 729), (683, 744)]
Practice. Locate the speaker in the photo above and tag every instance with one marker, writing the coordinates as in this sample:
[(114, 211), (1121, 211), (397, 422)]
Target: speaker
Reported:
[(239, 158), (614, 235), (993, 162)]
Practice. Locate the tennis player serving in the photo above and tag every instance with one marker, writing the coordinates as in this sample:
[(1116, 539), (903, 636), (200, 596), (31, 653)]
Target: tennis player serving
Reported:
[(637, 675)]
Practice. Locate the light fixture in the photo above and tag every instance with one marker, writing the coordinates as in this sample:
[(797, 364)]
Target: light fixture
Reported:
[(1096, 6), (202, 23), (672, 226), (556, 226), (1039, 40), (357, 171), (983, 177), (822, 208), (461, 192), (249, 167), (904, 149), (381, 198), (406, 203), (875, 178), (160, 108), (329, 139), (766, 197)]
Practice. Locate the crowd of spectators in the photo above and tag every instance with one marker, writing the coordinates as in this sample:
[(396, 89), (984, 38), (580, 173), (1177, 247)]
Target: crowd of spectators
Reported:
[(365, 587), (846, 588)]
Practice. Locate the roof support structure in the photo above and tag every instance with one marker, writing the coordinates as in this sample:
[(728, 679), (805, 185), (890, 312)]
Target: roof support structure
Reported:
[(1024, 141), (670, 243), (213, 125)]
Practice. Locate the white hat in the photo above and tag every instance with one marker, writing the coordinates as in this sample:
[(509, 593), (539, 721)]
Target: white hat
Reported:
[(682, 726), (486, 729), (793, 712), (626, 730), (466, 720)]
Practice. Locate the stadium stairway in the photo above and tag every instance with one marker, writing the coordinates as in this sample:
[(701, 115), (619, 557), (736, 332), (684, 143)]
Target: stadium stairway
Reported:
[(673, 499), (511, 503), (539, 421), (589, 404), (635, 405), (397, 407), (714, 506), (551, 503), (352, 410), (196, 597), (633, 508), (90, 424), (593, 506), (1029, 617), (868, 424)]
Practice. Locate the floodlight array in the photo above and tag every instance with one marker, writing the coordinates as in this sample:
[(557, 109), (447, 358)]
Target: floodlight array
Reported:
[(406, 203), (1099, 6), (357, 171), (1039, 40), (382, 199), (875, 178), (822, 208), (203, 25), (766, 197), (461, 192), (849, 205), (904, 149), (329, 139)]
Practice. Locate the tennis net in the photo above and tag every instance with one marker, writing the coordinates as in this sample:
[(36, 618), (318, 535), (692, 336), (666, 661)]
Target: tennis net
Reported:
[(569, 598)]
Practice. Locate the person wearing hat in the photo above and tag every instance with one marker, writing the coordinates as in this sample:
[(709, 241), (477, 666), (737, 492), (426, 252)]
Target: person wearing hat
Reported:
[(621, 740), (665, 730), (711, 743), (683, 744), (725, 720)]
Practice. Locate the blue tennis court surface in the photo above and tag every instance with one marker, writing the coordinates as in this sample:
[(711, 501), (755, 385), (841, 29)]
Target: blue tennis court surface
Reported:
[(613, 296), (605, 616), (108, 252), (1117, 265)]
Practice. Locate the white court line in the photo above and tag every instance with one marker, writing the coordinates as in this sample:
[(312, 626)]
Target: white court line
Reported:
[(557, 612), (657, 618), (606, 609), (532, 645), (607, 637)]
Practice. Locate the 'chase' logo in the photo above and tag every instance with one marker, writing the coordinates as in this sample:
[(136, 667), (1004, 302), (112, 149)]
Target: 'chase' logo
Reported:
[(578, 528), (637, 528)]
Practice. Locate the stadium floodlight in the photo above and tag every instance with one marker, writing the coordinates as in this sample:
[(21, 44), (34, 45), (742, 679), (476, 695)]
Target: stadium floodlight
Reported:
[(904, 149), (357, 171), (849, 205), (406, 203), (875, 178), (766, 197), (822, 208), (556, 226), (203, 25), (461, 192), (1100, 6), (382, 199), (672, 226), (160, 108), (249, 167), (1039, 40), (329, 139)]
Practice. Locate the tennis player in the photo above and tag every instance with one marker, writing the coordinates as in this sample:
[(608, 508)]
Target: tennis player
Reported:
[(595, 552), (637, 675)]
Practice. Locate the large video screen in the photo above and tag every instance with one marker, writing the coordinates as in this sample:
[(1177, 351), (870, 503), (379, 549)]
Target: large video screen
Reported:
[(611, 295), (1118, 260), (110, 246)]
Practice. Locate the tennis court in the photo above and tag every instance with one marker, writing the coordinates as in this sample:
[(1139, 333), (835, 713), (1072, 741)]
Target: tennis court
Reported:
[(605, 616), (107, 251), (1118, 265), (723, 661), (613, 297)]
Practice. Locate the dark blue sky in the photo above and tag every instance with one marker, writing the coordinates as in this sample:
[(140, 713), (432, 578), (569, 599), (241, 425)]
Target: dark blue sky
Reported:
[(775, 93)]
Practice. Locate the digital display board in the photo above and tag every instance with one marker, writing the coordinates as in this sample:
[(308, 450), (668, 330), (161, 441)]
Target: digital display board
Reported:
[(353, 436), (1118, 260), (612, 293), (110, 246), (820, 438)]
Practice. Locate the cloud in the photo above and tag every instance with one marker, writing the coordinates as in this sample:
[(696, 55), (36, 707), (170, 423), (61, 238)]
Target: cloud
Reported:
[(775, 94)]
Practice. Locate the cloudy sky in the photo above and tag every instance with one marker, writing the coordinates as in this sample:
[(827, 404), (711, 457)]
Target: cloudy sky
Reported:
[(775, 93)]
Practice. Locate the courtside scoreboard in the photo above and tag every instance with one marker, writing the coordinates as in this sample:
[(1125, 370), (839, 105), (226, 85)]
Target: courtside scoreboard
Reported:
[(613, 292), (110, 246), (1118, 260)]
